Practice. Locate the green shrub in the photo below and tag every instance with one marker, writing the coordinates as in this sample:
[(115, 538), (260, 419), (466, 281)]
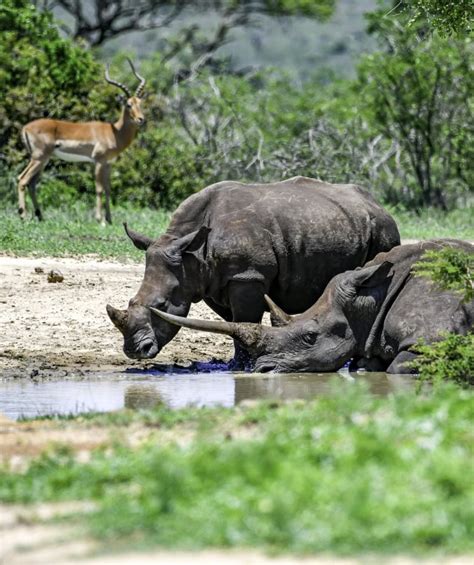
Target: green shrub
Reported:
[(449, 359), (417, 94)]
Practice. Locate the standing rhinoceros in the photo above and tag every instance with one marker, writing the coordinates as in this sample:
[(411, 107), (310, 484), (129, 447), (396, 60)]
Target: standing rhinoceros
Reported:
[(232, 243), (373, 315)]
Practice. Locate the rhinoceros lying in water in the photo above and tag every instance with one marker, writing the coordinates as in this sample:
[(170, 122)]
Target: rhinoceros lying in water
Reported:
[(232, 243), (372, 315)]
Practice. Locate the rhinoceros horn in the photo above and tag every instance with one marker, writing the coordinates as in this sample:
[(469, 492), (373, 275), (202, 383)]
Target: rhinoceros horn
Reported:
[(248, 334), (118, 317), (277, 315), (139, 241)]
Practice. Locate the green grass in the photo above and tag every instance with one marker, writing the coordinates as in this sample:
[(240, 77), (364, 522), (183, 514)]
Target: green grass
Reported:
[(75, 232), (433, 223), (345, 473)]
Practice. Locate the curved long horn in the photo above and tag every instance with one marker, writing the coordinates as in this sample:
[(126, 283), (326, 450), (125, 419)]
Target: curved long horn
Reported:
[(278, 316), (227, 328), (116, 83), (118, 317), (139, 241), (141, 86), (248, 334)]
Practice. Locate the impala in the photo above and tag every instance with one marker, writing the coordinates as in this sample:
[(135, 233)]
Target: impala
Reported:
[(93, 142)]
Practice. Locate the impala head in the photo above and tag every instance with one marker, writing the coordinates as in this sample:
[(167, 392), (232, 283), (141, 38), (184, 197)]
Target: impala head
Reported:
[(132, 103)]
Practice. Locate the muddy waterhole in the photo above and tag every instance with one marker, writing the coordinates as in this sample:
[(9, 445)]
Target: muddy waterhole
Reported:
[(52, 330), (135, 389)]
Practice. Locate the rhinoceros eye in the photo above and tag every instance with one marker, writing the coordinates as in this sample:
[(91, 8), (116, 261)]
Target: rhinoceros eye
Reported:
[(310, 338)]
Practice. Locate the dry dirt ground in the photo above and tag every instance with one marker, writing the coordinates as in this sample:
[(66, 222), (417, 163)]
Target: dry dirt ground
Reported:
[(45, 326)]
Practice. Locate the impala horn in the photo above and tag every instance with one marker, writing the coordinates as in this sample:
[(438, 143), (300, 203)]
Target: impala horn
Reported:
[(116, 83), (278, 317), (141, 86), (118, 317)]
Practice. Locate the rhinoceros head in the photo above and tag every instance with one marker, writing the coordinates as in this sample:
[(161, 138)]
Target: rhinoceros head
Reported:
[(167, 285), (323, 338)]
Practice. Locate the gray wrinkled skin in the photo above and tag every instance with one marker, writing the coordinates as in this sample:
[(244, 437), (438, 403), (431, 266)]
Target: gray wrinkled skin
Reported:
[(232, 243), (373, 315)]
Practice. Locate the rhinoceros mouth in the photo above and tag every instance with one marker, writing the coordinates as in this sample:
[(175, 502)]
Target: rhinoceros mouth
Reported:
[(265, 365), (146, 349)]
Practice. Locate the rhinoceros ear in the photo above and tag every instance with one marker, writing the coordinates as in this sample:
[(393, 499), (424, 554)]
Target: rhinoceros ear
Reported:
[(370, 277), (194, 243), (139, 241)]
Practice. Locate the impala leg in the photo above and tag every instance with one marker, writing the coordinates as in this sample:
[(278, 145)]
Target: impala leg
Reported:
[(108, 214), (102, 184), (34, 196), (32, 171)]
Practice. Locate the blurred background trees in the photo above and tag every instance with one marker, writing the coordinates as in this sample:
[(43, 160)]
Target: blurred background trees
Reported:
[(389, 107)]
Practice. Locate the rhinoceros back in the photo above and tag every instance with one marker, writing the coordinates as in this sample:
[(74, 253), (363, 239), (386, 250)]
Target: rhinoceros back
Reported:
[(294, 235)]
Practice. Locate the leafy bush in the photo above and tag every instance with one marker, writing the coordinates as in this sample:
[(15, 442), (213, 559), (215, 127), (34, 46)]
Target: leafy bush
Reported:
[(449, 359), (447, 17), (416, 94), (44, 75), (41, 73)]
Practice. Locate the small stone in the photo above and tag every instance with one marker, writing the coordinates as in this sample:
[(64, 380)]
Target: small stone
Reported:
[(55, 276), (39, 270)]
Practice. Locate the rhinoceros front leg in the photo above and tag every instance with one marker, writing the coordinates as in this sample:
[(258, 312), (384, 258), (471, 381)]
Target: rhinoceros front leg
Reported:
[(374, 364), (248, 305)]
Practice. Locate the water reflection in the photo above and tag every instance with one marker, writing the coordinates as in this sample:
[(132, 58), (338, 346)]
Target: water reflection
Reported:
[(140, 397), (106, 392), (309, 385)]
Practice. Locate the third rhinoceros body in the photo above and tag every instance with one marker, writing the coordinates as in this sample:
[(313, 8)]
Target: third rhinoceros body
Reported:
[(373, 315), (232, 243)]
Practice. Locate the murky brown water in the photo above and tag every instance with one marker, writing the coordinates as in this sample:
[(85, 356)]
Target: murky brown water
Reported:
[(111, 391)]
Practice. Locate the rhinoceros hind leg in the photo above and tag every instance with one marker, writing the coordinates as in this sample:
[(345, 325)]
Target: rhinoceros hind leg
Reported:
[(400, 365)]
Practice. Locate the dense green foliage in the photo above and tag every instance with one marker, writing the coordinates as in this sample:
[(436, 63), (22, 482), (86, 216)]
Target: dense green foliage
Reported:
[(401, 128), (447, 16), (419, 95), (344, 473), (449, 359), (74, 231), (43, 75)]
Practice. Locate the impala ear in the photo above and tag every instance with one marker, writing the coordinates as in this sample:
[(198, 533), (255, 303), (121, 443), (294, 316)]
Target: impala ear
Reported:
[(139, 241)]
